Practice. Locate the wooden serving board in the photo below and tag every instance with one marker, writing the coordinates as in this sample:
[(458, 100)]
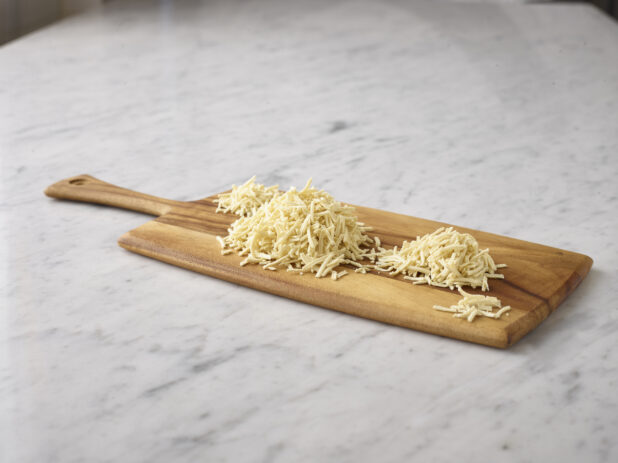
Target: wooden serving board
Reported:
[(538, 278)]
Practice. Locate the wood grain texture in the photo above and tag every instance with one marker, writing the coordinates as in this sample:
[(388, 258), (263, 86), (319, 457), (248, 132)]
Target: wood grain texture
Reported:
[(538, 278)]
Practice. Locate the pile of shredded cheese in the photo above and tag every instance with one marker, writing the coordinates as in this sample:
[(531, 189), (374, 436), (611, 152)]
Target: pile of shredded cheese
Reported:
[(443, 258), (305, 231), (245, 199), (472, 305)]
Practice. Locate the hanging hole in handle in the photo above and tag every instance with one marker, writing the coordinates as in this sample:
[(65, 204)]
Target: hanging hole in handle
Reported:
[(77, 181)]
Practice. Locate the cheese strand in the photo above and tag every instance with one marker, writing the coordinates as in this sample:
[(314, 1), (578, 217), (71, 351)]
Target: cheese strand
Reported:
[(470, 306)]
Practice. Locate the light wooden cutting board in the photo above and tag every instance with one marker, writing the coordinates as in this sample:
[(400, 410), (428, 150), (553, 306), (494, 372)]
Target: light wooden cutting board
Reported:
[(538, 278)]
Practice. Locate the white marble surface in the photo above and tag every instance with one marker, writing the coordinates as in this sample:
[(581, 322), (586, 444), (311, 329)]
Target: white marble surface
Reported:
[(497, 117)]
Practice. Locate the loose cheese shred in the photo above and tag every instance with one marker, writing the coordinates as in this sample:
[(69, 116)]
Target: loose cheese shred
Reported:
[(303, 231), (471, 305), (243, 200), (443, 258)]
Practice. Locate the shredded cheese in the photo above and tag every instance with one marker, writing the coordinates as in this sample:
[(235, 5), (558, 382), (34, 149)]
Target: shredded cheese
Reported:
[(443, 258), (303, 231), (244, 200), (472, 305), (307, 231)]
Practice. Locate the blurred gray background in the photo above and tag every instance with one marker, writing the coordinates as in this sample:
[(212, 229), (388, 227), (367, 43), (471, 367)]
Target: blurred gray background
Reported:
[(20, 17)]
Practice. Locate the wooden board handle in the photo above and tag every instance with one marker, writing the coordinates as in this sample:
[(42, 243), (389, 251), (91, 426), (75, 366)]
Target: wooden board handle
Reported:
[(92, 190)]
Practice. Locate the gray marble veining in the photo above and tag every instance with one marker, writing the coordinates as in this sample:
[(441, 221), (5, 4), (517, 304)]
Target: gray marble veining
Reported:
[(491, 116)]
